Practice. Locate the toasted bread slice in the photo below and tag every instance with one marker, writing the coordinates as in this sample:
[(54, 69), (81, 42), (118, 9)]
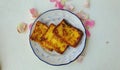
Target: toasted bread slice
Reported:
[(46, 45), (70, 34), (39, 30), (50, 38)]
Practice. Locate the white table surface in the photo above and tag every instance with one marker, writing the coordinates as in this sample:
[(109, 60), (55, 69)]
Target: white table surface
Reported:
[(16, 53)]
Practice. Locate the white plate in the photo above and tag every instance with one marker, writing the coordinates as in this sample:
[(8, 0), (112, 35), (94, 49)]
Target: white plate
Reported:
[(53, 58)]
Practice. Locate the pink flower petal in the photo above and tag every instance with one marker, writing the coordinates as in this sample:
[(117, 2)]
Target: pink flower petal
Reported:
[(22, 27), (52, 0), (82, 15), (58, 0), (30, 25), (34, 12), (87, 3), (55, 0), (63, 1), (88, 33), (55, 5), (69, 7), (59, 5), (89, 23)]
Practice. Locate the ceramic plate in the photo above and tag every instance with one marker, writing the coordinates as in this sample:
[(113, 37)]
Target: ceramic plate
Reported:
[(55, 16)]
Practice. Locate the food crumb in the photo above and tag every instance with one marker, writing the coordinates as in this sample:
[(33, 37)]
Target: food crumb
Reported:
[(107, 42)]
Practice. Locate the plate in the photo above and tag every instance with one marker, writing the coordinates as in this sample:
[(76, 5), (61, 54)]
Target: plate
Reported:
[(55, 16)]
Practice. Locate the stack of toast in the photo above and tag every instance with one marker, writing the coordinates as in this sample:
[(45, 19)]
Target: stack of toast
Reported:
[(56, 37)]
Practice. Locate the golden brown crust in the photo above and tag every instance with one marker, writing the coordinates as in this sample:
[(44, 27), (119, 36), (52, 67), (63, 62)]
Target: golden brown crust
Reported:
[(54, 42), (39, 30), (46, 45), (56, 37), (68, 33)]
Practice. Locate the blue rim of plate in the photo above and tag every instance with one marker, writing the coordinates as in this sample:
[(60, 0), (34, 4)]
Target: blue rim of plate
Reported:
[(48, 62)]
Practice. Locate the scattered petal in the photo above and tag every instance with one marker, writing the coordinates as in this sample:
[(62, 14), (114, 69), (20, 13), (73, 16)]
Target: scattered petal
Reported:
[(87, 4), (34, 12), (22, 27), (63, 1), (88, 33), (30, 26), (89, 23), (59, 5), (55, 5), (69, 7), (55, 0), (82, 15), (52, 0)]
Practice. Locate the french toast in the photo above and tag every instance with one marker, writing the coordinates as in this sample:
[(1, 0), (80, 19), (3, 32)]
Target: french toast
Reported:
[(39, 30), (55, 42), (68, 33)]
